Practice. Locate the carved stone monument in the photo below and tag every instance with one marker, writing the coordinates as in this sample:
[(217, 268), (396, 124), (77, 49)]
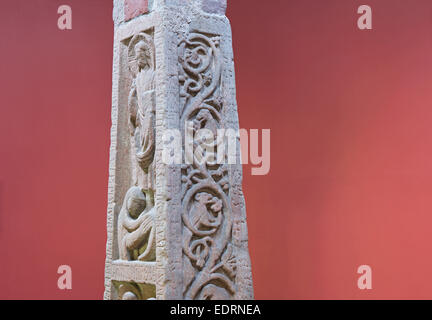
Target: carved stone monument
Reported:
[(175, 230)]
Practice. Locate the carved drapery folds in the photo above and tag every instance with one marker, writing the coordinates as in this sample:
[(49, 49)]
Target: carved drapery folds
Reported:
[(136, 234), (142, 99), (209, 260)]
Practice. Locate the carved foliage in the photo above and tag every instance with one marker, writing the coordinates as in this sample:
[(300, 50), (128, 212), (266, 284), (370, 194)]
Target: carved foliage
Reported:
[(209, 260)]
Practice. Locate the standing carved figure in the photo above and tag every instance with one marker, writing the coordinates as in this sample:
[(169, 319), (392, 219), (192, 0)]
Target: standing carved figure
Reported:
[(141, 107), (136, 218)]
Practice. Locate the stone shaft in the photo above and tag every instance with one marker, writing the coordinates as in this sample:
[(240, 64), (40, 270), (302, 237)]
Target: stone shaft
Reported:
[(174, 231)]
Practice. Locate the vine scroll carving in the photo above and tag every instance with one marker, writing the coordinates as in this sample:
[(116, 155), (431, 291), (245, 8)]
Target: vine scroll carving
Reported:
[(209, 259)]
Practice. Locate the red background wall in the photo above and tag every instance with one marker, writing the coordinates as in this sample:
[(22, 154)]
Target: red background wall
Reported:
[(350, 118)]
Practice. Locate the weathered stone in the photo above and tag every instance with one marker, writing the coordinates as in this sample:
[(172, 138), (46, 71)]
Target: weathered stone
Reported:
[(118, 12), (214, 6), (175, 231)]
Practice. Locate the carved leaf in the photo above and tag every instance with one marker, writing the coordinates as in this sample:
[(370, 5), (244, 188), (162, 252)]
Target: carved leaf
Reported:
[(229, 262)]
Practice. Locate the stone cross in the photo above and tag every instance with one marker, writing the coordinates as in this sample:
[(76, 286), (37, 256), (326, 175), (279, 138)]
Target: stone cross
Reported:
[(176, 230)]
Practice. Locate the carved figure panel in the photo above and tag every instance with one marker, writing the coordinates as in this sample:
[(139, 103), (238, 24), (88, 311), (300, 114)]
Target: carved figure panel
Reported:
[(141, 108), (136, 234)]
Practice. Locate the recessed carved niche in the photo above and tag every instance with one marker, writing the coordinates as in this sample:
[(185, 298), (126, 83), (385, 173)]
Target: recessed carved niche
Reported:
[(135, 239)]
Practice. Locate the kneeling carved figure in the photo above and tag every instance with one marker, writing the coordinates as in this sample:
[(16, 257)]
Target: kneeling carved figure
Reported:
[(136, 230)]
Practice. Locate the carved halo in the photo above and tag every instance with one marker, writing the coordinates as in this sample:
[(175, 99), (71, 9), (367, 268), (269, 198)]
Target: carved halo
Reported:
[(149, 46), (129, 291)]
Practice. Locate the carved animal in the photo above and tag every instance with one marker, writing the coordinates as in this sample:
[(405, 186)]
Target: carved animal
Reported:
[(200, 216), (204, 120)]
